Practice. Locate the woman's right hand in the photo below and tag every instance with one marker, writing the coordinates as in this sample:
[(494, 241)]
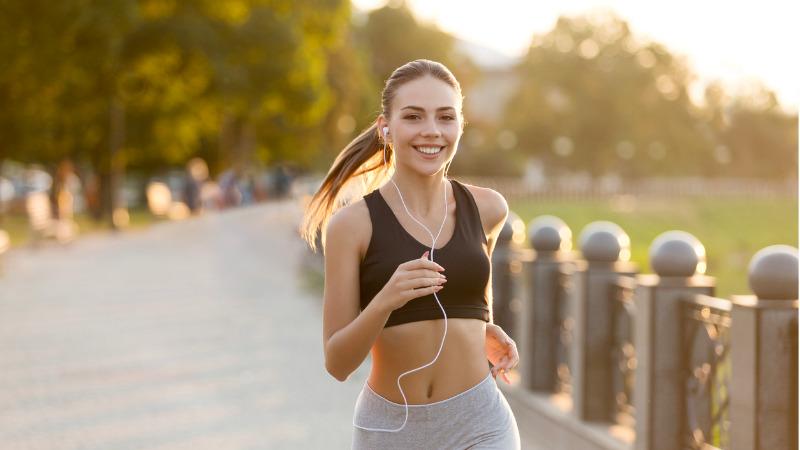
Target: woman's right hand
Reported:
[(412, 279)]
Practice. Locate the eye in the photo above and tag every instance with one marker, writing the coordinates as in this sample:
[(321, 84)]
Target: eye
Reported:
[(411, 116), (449, 117)]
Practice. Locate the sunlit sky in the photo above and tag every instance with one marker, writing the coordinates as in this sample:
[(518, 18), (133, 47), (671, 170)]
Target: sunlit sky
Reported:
[(735, 42)]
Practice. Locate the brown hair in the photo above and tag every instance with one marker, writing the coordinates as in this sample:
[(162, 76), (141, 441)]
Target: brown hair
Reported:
[(363, 156)]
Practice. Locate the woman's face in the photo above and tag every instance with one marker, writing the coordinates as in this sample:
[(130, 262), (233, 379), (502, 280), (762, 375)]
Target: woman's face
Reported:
[(425, 124)]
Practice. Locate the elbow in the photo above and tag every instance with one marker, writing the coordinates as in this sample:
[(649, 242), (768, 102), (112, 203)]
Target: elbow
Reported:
[(334, 373), (333, 370), (340, 378)]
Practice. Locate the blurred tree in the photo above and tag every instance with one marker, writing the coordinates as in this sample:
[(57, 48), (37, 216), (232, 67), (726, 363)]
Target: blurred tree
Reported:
[(249, 77), (394, 37), (593, 98), (63, 60), (759, 139), (355, 95)]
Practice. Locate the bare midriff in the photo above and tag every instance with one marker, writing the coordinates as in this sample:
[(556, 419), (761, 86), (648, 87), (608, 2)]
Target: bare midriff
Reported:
[(461, 365)]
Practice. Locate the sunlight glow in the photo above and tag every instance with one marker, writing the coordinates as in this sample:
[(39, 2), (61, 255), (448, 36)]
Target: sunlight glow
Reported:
[(733, 42)]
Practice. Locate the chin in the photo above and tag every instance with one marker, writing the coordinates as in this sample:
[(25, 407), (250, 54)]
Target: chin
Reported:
[(430, 171)]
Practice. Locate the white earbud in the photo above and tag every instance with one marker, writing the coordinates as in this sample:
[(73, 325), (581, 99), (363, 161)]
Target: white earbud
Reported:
[(385, 131)]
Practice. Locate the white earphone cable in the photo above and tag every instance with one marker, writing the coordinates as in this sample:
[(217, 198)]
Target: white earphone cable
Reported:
[(433, 244)]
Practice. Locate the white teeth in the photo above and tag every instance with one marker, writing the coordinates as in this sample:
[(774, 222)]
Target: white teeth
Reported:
[(429, 150)]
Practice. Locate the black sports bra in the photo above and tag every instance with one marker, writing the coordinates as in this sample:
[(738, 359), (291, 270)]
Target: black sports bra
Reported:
[(464, 257)]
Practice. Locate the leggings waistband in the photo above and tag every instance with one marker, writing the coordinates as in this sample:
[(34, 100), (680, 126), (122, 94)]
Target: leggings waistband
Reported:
[(481, 383)]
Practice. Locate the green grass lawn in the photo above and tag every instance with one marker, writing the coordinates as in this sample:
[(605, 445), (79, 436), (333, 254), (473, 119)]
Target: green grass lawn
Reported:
[(732, 230)]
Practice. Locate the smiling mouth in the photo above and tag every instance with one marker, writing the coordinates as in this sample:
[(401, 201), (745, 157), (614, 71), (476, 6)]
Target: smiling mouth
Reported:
[(428, 150)]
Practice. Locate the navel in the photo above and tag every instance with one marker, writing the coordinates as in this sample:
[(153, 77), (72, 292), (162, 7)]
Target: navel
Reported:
[(430, 390)]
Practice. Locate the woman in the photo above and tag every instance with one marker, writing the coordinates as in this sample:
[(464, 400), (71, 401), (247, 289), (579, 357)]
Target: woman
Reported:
[(398, 260)]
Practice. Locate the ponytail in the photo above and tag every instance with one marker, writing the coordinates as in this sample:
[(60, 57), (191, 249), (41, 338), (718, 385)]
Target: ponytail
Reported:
[(360, 161)]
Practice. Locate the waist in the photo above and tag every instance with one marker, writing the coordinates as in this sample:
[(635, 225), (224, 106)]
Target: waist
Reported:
[(461, 364)]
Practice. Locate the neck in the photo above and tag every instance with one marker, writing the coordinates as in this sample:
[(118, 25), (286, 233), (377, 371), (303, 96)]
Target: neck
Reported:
[(421, 194)]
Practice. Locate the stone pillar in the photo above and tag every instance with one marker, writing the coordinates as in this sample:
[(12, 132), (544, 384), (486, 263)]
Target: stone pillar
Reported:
[(763, 394), (551, 240), (506, 269), (679, 262), (606, 249)]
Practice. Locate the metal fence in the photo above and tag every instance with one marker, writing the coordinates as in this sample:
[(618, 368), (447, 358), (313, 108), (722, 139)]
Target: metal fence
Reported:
[(656, 354)]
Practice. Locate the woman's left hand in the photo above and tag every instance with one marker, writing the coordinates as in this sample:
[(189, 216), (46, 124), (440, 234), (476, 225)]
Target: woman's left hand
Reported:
[(501, 351)]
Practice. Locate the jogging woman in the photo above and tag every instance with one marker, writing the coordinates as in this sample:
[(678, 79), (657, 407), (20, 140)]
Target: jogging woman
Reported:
[(408, 276)]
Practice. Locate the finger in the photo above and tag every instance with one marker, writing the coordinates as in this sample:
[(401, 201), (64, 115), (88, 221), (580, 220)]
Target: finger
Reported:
[(422, 264), (424, 282), (421, 292), (500, 371), (512, 359), (424, 273), (414, 262)]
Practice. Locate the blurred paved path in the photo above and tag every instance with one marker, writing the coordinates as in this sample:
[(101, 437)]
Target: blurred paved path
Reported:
[(188, 335)]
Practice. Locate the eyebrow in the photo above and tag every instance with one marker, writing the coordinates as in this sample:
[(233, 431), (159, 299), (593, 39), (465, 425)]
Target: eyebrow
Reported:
[(418, 108)]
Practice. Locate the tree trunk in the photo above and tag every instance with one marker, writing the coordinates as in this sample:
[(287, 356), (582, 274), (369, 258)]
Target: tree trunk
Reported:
[(116, 159)]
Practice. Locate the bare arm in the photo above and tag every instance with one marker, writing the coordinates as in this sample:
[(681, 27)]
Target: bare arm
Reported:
[(493, 209), (348, 347), (348, 335)]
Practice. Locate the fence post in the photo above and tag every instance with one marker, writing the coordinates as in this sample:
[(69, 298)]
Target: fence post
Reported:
[(659, 397), (606, 249), (551, 240), (764, 354)]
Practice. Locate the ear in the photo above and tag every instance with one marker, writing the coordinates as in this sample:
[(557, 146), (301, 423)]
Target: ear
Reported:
[(381, 123)]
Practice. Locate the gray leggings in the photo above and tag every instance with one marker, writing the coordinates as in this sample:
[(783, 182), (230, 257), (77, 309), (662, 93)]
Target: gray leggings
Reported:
[(478, 418)]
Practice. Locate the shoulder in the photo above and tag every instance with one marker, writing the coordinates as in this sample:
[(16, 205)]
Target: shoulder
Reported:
[(492, 206), (350, 224)]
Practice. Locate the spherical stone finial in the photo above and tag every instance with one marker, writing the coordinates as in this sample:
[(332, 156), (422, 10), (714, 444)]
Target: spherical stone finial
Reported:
[(677, 253), (604, 241), (513, 230), (549, 234), (772, 273)]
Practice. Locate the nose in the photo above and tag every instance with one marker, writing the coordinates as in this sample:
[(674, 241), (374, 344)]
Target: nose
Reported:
[(431, 129)]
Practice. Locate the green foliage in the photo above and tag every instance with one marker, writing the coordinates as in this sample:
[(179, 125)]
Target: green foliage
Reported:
[(249, 76), (761, 138), (394, 37)]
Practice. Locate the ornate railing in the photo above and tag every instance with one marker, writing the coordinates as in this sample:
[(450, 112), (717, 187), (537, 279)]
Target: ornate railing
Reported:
[(623, 354), (564, 328), (707, 371)]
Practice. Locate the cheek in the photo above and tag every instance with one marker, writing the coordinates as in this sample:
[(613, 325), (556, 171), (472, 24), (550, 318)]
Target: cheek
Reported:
[(453, 133)]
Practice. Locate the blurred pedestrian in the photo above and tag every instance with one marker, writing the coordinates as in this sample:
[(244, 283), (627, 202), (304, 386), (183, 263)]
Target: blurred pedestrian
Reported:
[(196, 176), (230, 194)]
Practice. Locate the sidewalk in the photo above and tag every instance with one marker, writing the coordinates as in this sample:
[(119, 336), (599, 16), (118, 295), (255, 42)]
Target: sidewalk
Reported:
[(187, 335)]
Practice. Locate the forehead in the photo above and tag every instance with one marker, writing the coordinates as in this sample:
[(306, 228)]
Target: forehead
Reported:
[(426, 92)]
